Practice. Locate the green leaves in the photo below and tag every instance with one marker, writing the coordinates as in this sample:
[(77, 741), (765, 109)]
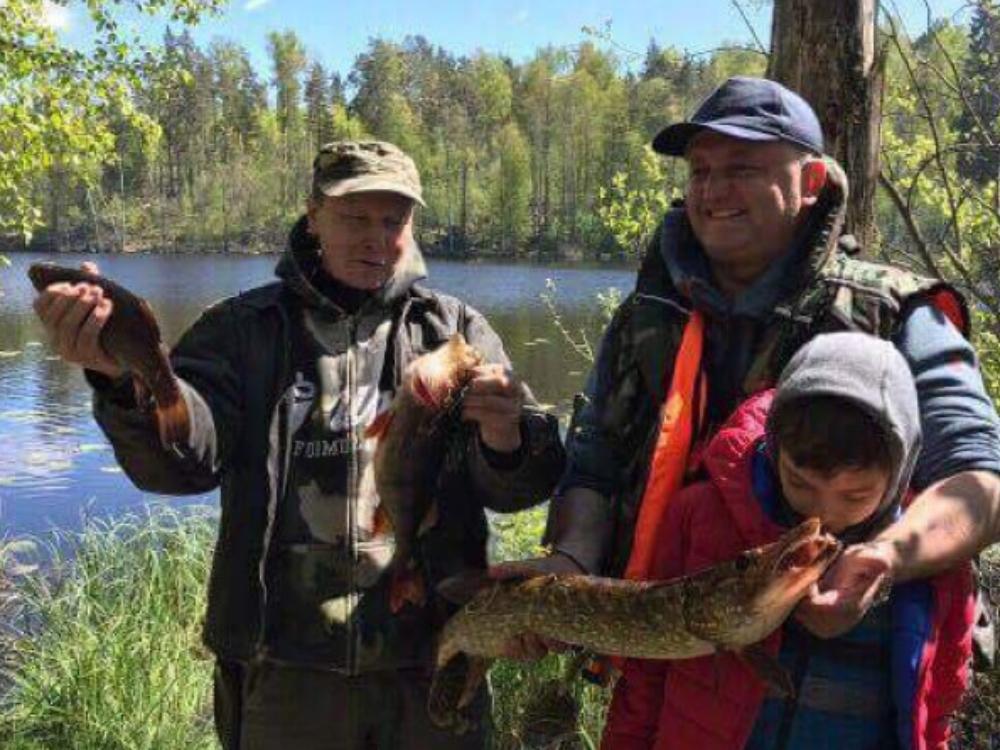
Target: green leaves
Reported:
[(58, 103)]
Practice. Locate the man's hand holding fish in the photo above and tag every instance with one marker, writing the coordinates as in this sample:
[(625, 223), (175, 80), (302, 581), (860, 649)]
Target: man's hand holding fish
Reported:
[(494, 401), (73, 316)]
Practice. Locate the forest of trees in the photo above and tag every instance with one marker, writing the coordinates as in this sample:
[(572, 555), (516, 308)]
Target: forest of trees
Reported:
[(195, 149), (514, 157)]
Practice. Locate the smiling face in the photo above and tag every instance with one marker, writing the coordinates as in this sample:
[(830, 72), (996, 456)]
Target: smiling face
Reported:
[(745, 201), (361, 236), (840, 499)]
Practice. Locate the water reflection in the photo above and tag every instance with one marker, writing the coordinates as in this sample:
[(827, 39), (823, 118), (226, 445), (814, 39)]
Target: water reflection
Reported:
[(55, 465)]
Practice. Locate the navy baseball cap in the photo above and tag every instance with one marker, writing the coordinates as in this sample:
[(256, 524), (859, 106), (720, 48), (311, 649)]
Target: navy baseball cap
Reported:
[(751, 109)]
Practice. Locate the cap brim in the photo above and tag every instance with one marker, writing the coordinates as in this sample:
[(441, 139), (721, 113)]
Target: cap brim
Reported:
[(341, 188), (674, 139)]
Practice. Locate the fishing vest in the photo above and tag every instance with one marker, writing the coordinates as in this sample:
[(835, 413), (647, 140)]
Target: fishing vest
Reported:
[(846, 293)]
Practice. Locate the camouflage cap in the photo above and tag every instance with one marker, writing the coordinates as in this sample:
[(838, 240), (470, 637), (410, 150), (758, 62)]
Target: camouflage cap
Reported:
[(346, 167)]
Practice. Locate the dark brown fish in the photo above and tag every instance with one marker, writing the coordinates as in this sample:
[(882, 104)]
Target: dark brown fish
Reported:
[(132, 337), (408, 456)]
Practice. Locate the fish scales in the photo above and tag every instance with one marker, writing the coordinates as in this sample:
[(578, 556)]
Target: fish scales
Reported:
[(730, 606)]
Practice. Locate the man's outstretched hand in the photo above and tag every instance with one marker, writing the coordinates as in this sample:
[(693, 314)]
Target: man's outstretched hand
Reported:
[(531, 647)]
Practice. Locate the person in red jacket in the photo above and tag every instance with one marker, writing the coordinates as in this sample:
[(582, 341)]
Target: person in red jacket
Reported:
[(837, 439)]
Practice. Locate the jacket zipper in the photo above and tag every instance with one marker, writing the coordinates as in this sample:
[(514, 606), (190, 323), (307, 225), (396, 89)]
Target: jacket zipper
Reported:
[(352, 492), (278, 482)]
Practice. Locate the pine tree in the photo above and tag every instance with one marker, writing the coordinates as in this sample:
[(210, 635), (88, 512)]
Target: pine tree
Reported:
[(979, 123)]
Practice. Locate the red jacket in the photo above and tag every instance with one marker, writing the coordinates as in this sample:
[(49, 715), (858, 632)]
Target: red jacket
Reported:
[(711, 703)]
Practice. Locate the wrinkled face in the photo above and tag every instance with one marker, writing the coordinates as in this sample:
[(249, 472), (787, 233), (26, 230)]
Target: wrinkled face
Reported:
[(362, 236), (840, 499), (744, 201)]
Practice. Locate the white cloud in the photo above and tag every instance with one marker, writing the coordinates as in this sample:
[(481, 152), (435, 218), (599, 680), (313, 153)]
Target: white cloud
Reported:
[(521, 16), (54, 16), (252, 5)]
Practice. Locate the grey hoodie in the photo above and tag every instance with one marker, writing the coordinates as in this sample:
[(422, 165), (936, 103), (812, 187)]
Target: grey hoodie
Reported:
[(874, 376)]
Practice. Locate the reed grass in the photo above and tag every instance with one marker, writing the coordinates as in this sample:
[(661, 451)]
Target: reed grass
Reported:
[(103, 651)]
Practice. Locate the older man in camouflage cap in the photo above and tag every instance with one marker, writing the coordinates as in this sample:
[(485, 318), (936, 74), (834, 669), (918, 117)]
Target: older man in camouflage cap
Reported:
[(282, 383)]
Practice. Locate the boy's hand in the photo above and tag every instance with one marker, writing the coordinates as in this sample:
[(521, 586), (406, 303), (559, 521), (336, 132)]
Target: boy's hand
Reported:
[(859, 579)]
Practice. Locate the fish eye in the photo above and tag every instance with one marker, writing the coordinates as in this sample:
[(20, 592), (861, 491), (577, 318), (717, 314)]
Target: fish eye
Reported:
[(742, 562)]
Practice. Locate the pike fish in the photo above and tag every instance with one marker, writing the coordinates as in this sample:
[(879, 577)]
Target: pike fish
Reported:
[(410, 451), (728, 607), (132, 337)]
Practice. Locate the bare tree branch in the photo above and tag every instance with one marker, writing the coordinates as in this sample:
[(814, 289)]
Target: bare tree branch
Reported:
[(746, 20), (905, 212)]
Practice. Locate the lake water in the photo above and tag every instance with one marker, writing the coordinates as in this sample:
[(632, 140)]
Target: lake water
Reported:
[(56, 467)]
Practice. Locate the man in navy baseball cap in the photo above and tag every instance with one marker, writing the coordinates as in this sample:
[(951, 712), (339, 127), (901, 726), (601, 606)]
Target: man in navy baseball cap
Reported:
[(758, 252)]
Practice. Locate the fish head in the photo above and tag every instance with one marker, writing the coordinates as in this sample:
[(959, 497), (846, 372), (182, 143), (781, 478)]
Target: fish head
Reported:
[(743, 600), (784, 570), (435, 377)]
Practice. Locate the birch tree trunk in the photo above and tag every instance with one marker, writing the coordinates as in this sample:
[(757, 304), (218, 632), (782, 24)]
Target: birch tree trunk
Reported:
[(826, 52)]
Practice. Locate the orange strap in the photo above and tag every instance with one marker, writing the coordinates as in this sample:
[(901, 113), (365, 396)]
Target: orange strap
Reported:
[(673, 447)]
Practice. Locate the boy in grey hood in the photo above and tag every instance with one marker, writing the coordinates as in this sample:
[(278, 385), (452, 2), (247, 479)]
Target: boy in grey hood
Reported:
[(840, 371), (838, 440)]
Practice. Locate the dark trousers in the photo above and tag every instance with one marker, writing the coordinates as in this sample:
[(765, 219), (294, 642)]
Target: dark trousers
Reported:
[(270, 707)]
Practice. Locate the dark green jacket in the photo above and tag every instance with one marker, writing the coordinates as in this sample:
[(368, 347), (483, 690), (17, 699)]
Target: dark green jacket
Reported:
[(235, 366)]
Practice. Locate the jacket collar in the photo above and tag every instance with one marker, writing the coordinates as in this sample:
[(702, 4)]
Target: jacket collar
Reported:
[(728, 459)]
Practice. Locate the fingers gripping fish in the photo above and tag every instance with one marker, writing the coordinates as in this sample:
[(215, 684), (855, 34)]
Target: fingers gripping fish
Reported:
[(132, 337)]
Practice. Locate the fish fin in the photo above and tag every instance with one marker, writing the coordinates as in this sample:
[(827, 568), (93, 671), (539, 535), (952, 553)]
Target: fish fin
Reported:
[(474, 676), (448, 686), (424, 394), (767, 668), (462, 587), (550, 716), (382, 522), (380, 426), (406, 586), (429, 520), (147, 314), (141, 393), (173, 422)]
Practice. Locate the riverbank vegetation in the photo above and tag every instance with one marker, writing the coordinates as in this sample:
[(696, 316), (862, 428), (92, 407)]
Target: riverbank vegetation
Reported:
[(103, 652)]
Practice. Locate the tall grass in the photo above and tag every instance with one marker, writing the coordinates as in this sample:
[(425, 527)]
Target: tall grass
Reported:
[(103, 652), (106, 651)]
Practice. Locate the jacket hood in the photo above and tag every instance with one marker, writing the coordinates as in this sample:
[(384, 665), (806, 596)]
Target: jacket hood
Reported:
[(300, 263), (871, 374), (814, 244)]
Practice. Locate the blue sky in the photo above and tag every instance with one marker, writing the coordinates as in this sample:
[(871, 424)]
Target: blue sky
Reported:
[(335, 32)]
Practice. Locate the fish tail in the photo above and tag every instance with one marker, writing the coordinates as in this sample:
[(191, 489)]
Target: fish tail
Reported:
[(452, 689), (173, 420)]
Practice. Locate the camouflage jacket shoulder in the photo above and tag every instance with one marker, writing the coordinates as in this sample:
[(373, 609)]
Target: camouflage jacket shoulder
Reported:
[(873, 297)]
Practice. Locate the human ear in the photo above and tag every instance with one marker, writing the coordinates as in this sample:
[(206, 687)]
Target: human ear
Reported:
[(813, 180)]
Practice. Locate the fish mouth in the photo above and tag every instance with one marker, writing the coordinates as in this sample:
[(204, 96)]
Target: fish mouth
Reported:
[(806, 551)]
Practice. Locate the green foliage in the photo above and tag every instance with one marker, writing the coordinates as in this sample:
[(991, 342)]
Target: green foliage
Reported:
[(193, 153), (937, 217), (59, 104), (632, 207)]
